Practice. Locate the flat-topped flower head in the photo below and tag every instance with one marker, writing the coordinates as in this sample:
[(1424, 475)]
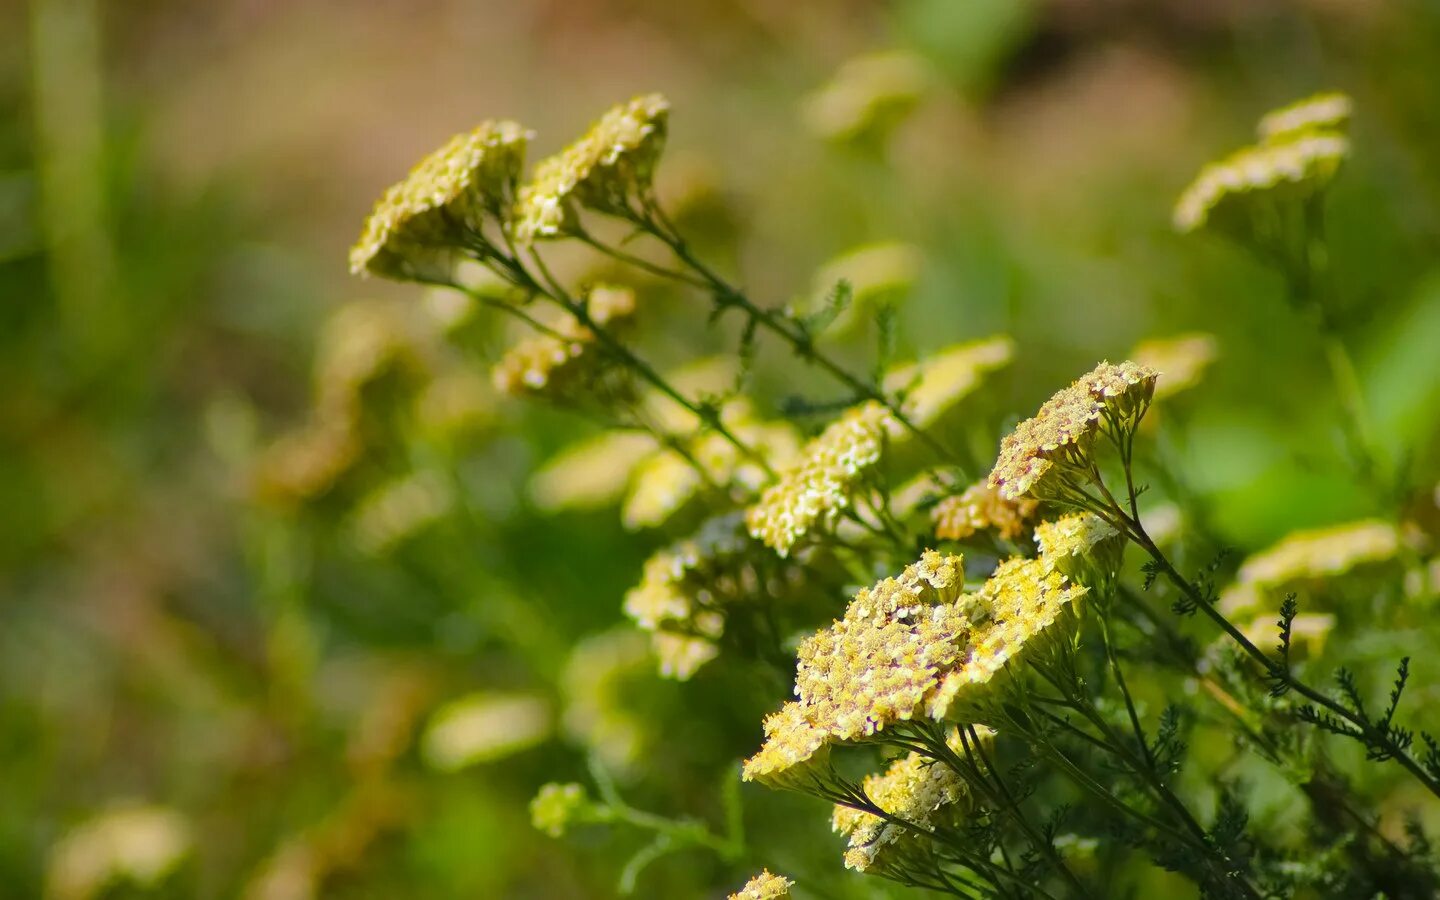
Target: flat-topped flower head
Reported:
[(813, 493), (1022, 600), (981, 508), (605, 170), (939, 381), (1292, 167), (1058, 439), (764, 886), (1082, 546), (441, 206), (793, 744), (1312, 555), (913, 788), (876, 666), (1180, 361), (1327, 111)]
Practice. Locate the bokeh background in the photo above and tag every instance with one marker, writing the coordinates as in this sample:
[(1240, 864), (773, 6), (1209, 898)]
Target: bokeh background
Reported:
[(236, 693)]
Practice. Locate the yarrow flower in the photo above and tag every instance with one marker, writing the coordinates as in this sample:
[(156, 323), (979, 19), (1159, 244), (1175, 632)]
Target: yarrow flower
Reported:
[(605, 170), (1082, 546), (872, 668), (442, 205), (559, 364), (914, 789), (939, 381), (1058, 439), (981, 508), (764, 886), (869, 95), (1328, 111), (1180, 361), (813, 493), (1313, 555)]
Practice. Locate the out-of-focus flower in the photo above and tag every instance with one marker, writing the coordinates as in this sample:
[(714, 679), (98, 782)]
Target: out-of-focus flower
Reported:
[(1058, 438), (594, 684), (814, 492), (565, 362), (484, 727), (1313, 555), (1328, 111), (399, 510), (1294, 166), (137, 844), (1308, 632), (590, 473), (1180, 361), (607, 169), (558, 806), (939, 381), (360, 344), (981, 508), (868, 96), (454, 403), (764, 886), (442, 204), (304, 464)]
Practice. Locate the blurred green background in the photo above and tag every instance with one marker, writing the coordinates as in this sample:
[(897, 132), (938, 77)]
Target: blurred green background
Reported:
[(260, 692)]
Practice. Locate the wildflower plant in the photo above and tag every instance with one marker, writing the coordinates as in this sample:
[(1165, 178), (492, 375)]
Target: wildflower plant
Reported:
[(980, 718)]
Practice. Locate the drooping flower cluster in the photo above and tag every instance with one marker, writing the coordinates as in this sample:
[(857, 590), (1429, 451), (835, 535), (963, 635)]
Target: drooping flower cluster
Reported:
[(1301, 148), (605, 170), (1057, 440), (813, 493), (946, 377), (765, 886), (561, 363), (980, 508), (443, 204), (915, 790)]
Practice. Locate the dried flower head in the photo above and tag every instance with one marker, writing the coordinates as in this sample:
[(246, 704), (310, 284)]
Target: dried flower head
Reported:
[(1057, 441), (915, 790), (764, 886), (813, 493), (938, 382), (1293, 166), (562, 363), (869, 95), (1328, 111), (1180, 361), (981, 508), (442, 204), (1022, 600), (558, 806), (1312, 555), (605, 170)]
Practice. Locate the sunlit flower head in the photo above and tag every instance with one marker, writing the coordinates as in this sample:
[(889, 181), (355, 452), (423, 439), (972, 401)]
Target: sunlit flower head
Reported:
[(764, 886), (792, 744), (1060, 435), (939, 381), (1079, 543), (1313, 555), (1329, 111), (441, 205), (1293, 166), (1180, 361), (137, 844), (813, 493), (605, 170), (1022, 600), (914, 789), (981, 508)]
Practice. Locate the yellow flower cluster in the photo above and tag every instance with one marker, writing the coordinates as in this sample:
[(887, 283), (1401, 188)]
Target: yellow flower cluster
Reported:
[(913, 789), (1074, 537), (558, 806), (1180, 361), (1023, 598), (442, 204), (764, 886), (814, 492), (1060, 435), (1312, 555), (604, 170), (1301, 148), (941, 380), (978, 508), (554, 365)]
